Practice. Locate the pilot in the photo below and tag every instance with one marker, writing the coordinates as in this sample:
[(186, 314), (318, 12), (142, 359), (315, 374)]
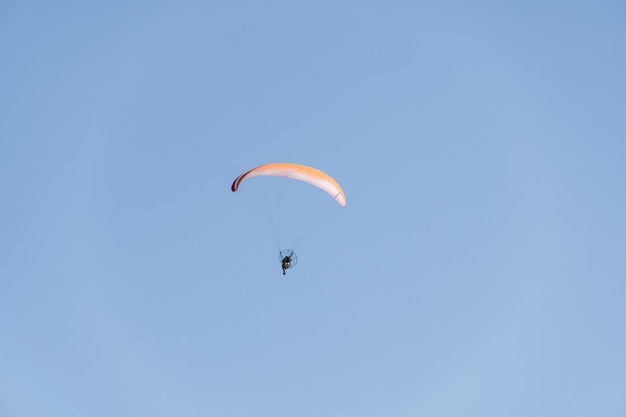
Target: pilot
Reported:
[(286, 263)]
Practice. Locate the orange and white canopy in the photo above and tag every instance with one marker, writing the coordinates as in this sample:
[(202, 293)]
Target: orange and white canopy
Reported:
[(310, 175)]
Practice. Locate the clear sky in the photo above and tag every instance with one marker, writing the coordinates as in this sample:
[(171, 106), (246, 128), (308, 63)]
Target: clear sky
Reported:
[(478, 268)]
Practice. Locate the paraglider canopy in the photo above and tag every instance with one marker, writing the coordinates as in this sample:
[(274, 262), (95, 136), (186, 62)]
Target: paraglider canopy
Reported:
[(313, 176)]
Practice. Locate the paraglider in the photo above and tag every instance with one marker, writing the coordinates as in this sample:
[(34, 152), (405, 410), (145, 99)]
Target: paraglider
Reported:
[(299, 217), (286, 264)]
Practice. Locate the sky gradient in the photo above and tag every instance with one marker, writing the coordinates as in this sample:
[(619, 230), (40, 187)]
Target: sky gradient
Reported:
[(476, 270)]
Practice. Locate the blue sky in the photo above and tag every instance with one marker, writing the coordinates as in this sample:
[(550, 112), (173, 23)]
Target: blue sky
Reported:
[(477, 269)]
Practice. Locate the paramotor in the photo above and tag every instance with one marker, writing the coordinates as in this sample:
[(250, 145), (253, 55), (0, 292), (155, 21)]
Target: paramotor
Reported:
[(285, 207)]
